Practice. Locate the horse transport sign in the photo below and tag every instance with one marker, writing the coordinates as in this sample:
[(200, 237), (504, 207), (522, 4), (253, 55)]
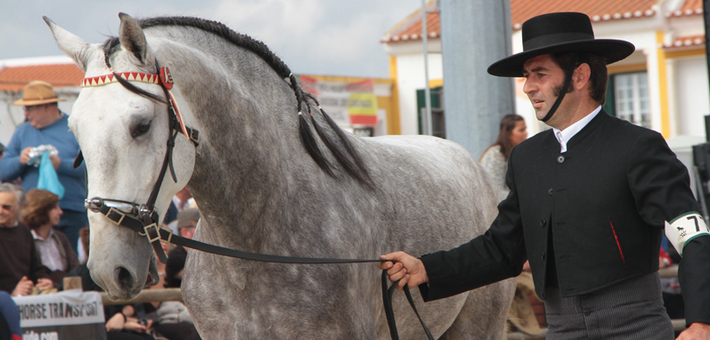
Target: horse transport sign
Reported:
[(71, 314)]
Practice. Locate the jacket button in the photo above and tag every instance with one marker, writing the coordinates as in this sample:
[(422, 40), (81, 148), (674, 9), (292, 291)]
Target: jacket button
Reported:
[(542, 256), (587, 312), (550, 191), (542, 223), (561, 159)]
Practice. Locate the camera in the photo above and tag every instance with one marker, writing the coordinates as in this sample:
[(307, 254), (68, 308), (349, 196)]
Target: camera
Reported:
[(37, 152)]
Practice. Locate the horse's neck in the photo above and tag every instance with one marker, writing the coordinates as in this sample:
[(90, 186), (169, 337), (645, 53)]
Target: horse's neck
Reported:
[(248, 128)]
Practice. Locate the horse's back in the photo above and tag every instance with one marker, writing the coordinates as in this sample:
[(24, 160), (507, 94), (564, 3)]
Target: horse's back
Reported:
[(432, 184)]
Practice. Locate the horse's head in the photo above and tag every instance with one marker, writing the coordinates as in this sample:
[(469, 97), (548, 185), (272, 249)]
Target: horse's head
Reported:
[(123, 138)]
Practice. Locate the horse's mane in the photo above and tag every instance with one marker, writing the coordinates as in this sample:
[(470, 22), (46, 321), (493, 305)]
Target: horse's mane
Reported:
[(349, 158)]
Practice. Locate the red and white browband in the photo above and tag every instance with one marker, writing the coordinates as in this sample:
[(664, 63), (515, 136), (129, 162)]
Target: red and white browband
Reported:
[(163, 78)]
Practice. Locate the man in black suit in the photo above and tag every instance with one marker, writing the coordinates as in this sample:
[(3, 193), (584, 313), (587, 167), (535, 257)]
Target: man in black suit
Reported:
[(588, 203)]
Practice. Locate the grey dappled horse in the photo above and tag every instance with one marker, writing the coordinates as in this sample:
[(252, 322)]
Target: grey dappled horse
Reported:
[(260, 190)]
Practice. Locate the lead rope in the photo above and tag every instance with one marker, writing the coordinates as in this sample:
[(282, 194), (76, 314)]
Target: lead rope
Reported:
[(389, 311)]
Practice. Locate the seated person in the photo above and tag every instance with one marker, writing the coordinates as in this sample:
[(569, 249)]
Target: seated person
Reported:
[(40, 214), (21, 267), (186, 223)]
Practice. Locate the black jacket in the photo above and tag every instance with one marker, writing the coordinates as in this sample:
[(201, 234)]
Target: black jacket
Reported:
[(605, 201)]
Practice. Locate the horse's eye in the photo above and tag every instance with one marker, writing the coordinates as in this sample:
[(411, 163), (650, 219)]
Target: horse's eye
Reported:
[(140, 129)]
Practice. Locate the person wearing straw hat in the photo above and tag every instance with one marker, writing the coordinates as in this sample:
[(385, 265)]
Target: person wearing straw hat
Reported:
[(46, 125), (589, 200)]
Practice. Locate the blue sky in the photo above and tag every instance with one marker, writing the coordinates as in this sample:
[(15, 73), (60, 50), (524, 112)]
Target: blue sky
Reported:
[(329, 37)]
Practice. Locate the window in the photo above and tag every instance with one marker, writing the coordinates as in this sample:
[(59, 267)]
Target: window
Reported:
[(627, 98), (438, 118)]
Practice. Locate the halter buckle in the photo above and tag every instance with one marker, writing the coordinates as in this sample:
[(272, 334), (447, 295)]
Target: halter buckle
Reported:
[(116, 211), (147, 232)]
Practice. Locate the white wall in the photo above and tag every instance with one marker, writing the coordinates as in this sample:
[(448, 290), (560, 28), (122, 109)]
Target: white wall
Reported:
[(410, 77), (690, 89)]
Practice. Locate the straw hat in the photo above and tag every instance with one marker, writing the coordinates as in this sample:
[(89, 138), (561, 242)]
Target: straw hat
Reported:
[(559, 32), (37, 92)]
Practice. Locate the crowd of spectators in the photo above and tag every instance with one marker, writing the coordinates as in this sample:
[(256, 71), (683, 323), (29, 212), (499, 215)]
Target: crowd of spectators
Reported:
[(44, 234)]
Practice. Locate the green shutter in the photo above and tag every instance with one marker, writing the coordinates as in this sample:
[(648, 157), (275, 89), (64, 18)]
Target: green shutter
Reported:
[(435, 95)]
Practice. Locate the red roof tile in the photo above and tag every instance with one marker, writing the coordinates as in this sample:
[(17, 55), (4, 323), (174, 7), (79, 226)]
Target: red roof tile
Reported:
[(598, 10), (690, 7), (521, 10), (687, 41), (13, 79), (411, 27)]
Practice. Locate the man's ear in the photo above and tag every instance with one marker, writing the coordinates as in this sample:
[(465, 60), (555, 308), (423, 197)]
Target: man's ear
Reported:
[(581, 76)]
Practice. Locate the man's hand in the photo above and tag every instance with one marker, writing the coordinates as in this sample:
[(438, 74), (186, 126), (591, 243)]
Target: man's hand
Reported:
[(132, 324), (25, 155), (24, 287), (406, 268), (115, 323), (696, 331), (44, 284)]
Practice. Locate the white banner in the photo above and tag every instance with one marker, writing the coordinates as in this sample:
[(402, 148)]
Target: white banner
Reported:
[(72, 307)]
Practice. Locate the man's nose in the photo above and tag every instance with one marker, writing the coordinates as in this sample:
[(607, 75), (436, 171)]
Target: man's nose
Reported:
[(528, 86)]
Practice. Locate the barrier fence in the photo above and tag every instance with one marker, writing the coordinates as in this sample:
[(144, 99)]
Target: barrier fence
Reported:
[(174, 294)]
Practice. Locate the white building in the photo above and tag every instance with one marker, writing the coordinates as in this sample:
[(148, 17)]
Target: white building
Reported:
[(663, 85)]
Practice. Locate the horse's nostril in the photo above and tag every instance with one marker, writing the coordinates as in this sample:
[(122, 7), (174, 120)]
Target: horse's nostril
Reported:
[(124, 277)]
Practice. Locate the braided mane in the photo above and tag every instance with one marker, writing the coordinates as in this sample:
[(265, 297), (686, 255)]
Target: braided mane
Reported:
[(348, 158)]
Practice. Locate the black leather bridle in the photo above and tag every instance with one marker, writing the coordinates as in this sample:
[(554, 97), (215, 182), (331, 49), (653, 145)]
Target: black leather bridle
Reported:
[(144, 219), (145, 213)]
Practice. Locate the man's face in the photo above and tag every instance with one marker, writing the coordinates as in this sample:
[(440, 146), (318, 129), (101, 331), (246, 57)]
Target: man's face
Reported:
[(40, 116), (8, 209), (543, 83), (187, 232)]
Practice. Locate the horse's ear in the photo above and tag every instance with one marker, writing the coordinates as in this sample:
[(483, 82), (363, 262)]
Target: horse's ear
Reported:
[(73, 46), (132, 38)]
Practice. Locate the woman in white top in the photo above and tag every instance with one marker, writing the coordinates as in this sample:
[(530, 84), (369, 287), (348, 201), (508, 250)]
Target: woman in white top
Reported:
[(495, 159)]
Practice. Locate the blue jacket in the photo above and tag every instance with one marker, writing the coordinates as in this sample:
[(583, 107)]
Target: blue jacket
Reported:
[(58, 135)]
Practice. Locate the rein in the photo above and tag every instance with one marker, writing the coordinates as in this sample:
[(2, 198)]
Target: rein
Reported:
[(143, 218)]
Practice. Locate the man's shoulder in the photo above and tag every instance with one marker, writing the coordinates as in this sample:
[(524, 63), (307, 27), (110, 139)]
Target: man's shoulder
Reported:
[(537, 140), (24, 128), (19, 231), (61, 124)]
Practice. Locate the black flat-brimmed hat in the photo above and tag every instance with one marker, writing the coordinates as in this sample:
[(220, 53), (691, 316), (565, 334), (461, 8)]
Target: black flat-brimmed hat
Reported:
[(559, 32)]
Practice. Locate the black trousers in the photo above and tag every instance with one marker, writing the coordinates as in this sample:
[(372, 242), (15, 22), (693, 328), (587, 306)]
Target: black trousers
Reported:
[(632, 309)]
